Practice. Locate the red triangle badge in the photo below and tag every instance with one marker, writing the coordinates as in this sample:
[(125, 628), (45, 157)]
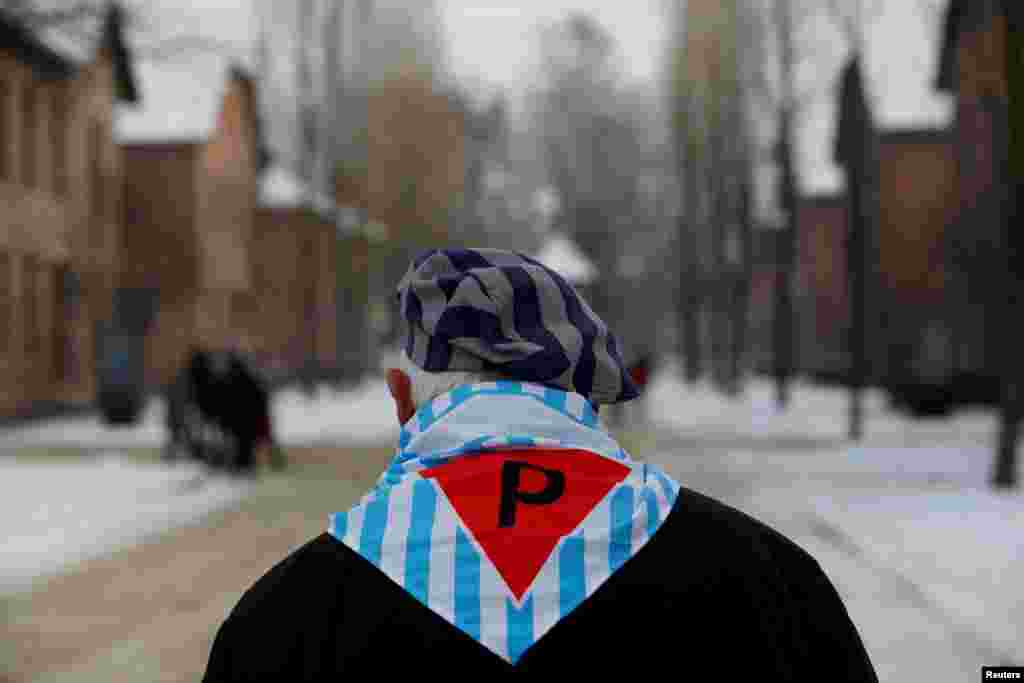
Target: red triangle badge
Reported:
[(519, 503)]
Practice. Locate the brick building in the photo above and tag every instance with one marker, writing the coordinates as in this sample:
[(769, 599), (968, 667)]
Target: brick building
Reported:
[(918, 198), (295, 255), (61, 193), (917, 202), (191, 155), (973, 68), (821, 291), (765, 276)]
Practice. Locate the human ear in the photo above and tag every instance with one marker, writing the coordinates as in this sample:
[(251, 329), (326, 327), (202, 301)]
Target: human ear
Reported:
[(400, 387)]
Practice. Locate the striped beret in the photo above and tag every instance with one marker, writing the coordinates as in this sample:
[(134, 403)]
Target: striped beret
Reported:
[(499, 311)]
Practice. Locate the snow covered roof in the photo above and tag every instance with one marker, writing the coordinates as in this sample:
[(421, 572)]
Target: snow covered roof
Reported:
[(281, 188), (560, 254), (55, 55), (180, 101)]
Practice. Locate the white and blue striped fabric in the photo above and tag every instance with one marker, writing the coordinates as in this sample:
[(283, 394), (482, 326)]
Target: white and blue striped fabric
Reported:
[(408, 528)]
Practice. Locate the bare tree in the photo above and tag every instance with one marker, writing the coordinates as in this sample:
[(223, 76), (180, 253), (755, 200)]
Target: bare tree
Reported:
[(80, 21), (778, 34), (710, 79), (592, 145), (1011, 171), (859, 150)]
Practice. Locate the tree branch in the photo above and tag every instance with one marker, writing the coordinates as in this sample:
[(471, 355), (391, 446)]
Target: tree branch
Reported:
[(36, 18), (178, 45), (846, 24), (802, 99)]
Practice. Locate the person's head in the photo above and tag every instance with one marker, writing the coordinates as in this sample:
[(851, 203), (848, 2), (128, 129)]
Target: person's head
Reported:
[(476, 315)]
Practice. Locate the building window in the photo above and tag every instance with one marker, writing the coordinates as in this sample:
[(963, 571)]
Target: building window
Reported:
[(97, 186), (59, 137), (5, 303), (30, 303), (5, 136), (65, 294), (29, 162)]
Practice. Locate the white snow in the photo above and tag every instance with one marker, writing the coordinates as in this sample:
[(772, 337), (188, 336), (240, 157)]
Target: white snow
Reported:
[(560, 254), (911, 500), (53, 515), (815, 413), (926, 557), (58, 514), (179, 101), (365, 413), (962, 549), (282, 188)]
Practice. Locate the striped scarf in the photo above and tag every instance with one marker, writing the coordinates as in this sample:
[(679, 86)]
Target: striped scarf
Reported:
[(507, 505)]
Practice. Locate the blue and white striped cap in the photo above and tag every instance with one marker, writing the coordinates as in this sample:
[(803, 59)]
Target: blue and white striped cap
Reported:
[(500, 311)]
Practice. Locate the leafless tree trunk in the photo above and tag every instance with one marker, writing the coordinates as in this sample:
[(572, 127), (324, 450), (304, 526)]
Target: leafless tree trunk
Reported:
[(307, 136), (716, 189), (1010, 153), (690, 280), (710, 68), (743, 281), (593, 152), (862, 178), (784, 318)]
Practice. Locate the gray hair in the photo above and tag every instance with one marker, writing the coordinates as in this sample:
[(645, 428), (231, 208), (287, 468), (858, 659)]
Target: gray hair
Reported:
[(427, 386)]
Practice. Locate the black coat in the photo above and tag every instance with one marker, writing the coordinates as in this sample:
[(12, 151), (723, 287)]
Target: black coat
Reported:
[(732, 600), (238, 401)]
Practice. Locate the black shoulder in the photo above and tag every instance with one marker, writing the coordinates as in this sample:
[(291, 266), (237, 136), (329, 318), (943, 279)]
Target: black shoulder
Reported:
[(733, 534), (305, 576)]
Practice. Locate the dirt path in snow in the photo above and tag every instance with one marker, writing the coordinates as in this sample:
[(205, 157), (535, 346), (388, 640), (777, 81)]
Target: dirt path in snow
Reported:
[(149, 612)]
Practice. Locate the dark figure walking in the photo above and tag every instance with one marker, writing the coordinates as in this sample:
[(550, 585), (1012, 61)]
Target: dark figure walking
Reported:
[(219, 409)]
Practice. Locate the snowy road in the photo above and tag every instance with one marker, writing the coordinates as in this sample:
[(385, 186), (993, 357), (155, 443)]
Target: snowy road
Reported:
[(364, 414), (55, 515), (927, 559)]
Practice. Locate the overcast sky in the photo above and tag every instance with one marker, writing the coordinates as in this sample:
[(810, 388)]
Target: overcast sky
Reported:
[(495, 42)]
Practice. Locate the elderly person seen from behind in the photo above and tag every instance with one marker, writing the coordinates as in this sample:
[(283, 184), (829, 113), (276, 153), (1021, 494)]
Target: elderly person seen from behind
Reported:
[(511, 534)]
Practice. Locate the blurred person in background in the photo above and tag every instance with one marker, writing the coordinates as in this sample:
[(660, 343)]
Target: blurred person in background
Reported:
[(218, 409), (634, 413), (512, 534)]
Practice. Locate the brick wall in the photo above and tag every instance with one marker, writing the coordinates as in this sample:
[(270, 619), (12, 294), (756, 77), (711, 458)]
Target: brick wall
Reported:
[(822, 283), (294, 260), (159, 242), (918, 201), (189, 223), (60, 179), (981, 140)]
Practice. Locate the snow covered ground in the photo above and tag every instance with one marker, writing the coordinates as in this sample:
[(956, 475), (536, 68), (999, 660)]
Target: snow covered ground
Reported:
[(905, 514), (926, 557), (53, 515), (365, 413), (57, 514)]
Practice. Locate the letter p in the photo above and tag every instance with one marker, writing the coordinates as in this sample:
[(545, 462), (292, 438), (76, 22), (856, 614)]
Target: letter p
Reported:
[(553, 489)]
